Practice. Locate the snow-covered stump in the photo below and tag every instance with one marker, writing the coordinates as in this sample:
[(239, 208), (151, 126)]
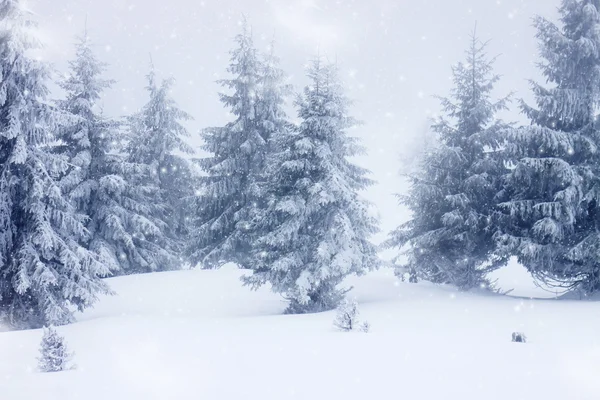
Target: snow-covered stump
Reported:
[(519, 337), (347, 320), (54, 355)]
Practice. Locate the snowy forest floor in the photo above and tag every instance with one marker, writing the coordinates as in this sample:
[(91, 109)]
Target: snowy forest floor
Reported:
[(201, 335)]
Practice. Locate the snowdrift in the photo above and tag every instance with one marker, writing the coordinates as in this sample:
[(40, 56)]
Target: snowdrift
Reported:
[(200, 335)]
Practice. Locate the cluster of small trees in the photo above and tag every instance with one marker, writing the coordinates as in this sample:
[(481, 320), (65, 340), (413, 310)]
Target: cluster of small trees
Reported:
[(489, 191), (84, 196)]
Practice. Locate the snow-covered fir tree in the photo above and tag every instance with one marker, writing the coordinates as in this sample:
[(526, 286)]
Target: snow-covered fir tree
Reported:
[(87, 142), (54, 355), (152, 228), (227, 201), (158, 142), (43, 269), (315, 231), (550, 202), (450, 237)]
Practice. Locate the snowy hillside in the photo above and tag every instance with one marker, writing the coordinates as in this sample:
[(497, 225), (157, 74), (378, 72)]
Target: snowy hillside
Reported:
[(199, 335)]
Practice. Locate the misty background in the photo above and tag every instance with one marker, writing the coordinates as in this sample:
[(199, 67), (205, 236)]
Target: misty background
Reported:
[(395, 55)]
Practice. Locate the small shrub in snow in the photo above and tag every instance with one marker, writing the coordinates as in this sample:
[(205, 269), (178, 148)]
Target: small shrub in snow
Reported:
[(346, 319), (365, 327), (54, 355), (519, 337)]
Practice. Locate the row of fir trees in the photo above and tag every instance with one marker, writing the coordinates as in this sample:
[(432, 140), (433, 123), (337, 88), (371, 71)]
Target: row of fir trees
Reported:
[(84, 196), (489, 191)]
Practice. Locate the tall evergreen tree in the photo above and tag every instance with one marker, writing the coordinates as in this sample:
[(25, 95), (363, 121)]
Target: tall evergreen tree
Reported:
[(224, 208), (151, 167), (315, 230), (87, 143), (158, 141), (550, 201), (43, 269), (452, 197)]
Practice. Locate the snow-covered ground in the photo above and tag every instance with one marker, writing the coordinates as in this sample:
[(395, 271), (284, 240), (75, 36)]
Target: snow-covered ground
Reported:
[(200, 335)]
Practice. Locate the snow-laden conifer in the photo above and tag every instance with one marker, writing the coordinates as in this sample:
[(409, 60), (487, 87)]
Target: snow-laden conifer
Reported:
[(316, 227), (228, 199), (43, 269), (450, 237), (550, 201), (88, 143), (158, 142)]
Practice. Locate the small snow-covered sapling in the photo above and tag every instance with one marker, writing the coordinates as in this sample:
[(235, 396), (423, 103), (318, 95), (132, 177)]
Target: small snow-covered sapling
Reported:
[(365, 327), (346, 319), (54, 355)]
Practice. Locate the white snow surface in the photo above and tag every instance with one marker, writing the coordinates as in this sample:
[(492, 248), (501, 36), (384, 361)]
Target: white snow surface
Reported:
[(201, 335)]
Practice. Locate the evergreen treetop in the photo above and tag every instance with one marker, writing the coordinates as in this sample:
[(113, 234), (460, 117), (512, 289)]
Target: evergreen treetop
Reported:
[(229, 195)]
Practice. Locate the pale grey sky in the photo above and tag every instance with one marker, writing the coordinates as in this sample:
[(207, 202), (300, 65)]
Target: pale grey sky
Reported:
[(395, 55)]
